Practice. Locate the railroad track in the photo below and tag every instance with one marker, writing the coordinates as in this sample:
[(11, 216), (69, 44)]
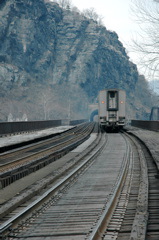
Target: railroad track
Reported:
[(84, 203), (105, 197), (60, 182), (18, 163), (136, 215), (152, 229)]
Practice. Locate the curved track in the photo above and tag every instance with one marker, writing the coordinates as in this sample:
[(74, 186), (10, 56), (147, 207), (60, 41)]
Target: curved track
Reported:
[(20, 162), (104, 197), (78, 204)]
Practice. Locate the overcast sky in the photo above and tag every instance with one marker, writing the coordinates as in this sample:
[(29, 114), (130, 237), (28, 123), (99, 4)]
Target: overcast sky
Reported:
[(117, 16)]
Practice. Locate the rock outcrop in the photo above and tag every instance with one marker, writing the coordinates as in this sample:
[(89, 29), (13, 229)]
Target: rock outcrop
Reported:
[(53, 62)]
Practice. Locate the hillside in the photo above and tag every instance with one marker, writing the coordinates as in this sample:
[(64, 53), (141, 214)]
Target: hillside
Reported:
[(53, 62)]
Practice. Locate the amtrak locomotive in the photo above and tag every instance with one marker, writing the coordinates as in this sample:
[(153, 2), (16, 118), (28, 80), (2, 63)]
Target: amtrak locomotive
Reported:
[(111, 108)]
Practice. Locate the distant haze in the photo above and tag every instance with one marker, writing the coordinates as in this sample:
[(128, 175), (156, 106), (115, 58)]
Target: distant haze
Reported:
[(154, 85)]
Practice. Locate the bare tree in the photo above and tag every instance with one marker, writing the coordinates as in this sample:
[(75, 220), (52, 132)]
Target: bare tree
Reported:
[(44, 97), (91, 14), (147, 16), (75, 9)]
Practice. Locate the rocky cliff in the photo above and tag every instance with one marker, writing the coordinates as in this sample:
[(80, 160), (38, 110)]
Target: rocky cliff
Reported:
[(54, 61)]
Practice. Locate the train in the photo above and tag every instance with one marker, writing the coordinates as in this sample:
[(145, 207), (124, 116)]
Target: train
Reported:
[(111, 109)]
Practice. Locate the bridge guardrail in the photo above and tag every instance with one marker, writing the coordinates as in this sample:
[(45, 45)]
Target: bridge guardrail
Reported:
[(17, 127), (149, 125)]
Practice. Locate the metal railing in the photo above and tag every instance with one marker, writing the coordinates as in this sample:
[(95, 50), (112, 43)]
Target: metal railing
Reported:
[(149, 125), (18, 127)]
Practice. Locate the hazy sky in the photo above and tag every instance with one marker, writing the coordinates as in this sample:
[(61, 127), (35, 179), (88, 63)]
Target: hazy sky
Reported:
[(117, 16)]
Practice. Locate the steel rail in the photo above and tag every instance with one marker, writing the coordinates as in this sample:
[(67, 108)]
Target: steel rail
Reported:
[(44, 157), (36, 142), (46, 150), (39, 144), (6, 225), (139, 227), (138, 223), (51, 149), (99, 229)]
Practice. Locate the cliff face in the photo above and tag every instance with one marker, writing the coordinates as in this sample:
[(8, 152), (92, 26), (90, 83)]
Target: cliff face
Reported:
[(28, 35), (53, 62)]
